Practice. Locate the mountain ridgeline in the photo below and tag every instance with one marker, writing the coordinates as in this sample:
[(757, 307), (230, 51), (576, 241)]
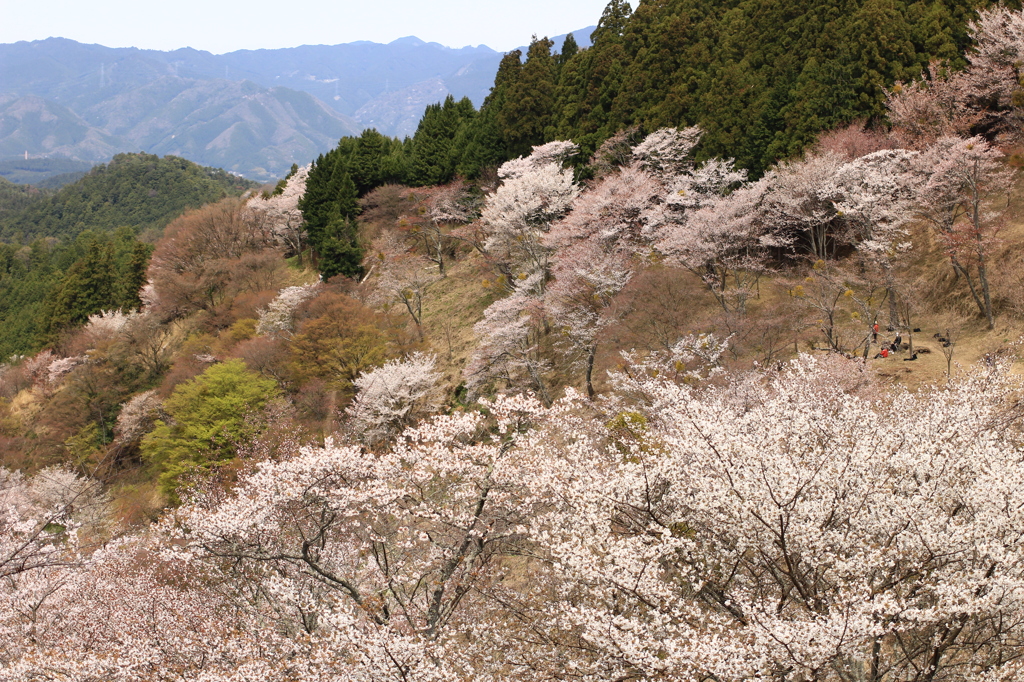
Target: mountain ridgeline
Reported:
[(253, 112)]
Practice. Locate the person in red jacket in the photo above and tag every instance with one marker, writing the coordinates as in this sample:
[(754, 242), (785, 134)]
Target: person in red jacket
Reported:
[(874, 332)]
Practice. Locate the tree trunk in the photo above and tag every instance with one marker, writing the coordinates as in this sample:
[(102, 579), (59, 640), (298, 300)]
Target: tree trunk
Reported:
[(983, 281), (415, 314), (961, 271), (590, 370), (894, 314)]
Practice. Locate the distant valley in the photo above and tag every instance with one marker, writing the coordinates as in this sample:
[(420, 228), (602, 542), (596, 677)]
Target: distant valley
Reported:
[(252, 112)]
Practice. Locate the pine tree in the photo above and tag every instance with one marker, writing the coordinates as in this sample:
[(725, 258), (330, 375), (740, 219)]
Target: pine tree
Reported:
[(612, 23), (316, 203), (527, 112), (481, 141), (434, 154), (339, 251), (481, 144), (346, 195), (133, 276), (367, 165), (569, 50)]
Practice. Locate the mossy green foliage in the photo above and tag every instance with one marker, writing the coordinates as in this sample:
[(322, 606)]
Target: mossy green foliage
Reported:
[(210, 416), (140, 190)]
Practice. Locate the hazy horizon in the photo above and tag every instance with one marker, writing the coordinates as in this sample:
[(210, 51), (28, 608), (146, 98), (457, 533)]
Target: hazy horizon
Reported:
[(219, 27)]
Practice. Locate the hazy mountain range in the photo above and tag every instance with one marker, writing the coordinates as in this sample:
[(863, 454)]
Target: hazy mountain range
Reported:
[(253, 112)]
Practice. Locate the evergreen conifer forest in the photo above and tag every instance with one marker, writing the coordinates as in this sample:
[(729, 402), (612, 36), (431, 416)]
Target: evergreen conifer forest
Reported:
[(690, 355)]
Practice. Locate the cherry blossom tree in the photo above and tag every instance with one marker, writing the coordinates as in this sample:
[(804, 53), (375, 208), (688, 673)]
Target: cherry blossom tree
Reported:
[(109, 323), (879, 192), (991, 83), (137, 417), (276, 318), (551, 153), (803, 201), (49, 523), (594, 249), (724, 240), (691, 359), (986, 96), (667, 151), (935, 106), (963, 198), (448, 205), (704, 185), (139, 610), (395, 396), (393, 562), (767, 525), (580, 300), (535, 192), (402, 276), (855, 140), (784, 529), (280, 212), (511, 334), (621, 213), (43, 518)]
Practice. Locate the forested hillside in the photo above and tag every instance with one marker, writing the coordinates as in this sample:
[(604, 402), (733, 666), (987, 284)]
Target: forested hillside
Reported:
[(16, 198), (75, 252), (619, 407), (762, 78), (53, 173), (139, 190)]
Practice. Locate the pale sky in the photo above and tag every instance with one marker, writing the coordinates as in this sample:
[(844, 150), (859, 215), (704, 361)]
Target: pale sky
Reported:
[(221, 26)]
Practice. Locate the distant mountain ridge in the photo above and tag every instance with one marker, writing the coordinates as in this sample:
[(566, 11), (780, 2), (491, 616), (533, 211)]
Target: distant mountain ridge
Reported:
[(253, 112)]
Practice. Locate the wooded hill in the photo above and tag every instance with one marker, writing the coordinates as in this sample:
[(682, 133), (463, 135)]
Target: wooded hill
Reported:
[(75, 252), (139, 190)]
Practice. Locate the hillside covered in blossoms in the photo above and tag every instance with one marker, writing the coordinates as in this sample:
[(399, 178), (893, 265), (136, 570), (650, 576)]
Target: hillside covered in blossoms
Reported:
[(625, 405)]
